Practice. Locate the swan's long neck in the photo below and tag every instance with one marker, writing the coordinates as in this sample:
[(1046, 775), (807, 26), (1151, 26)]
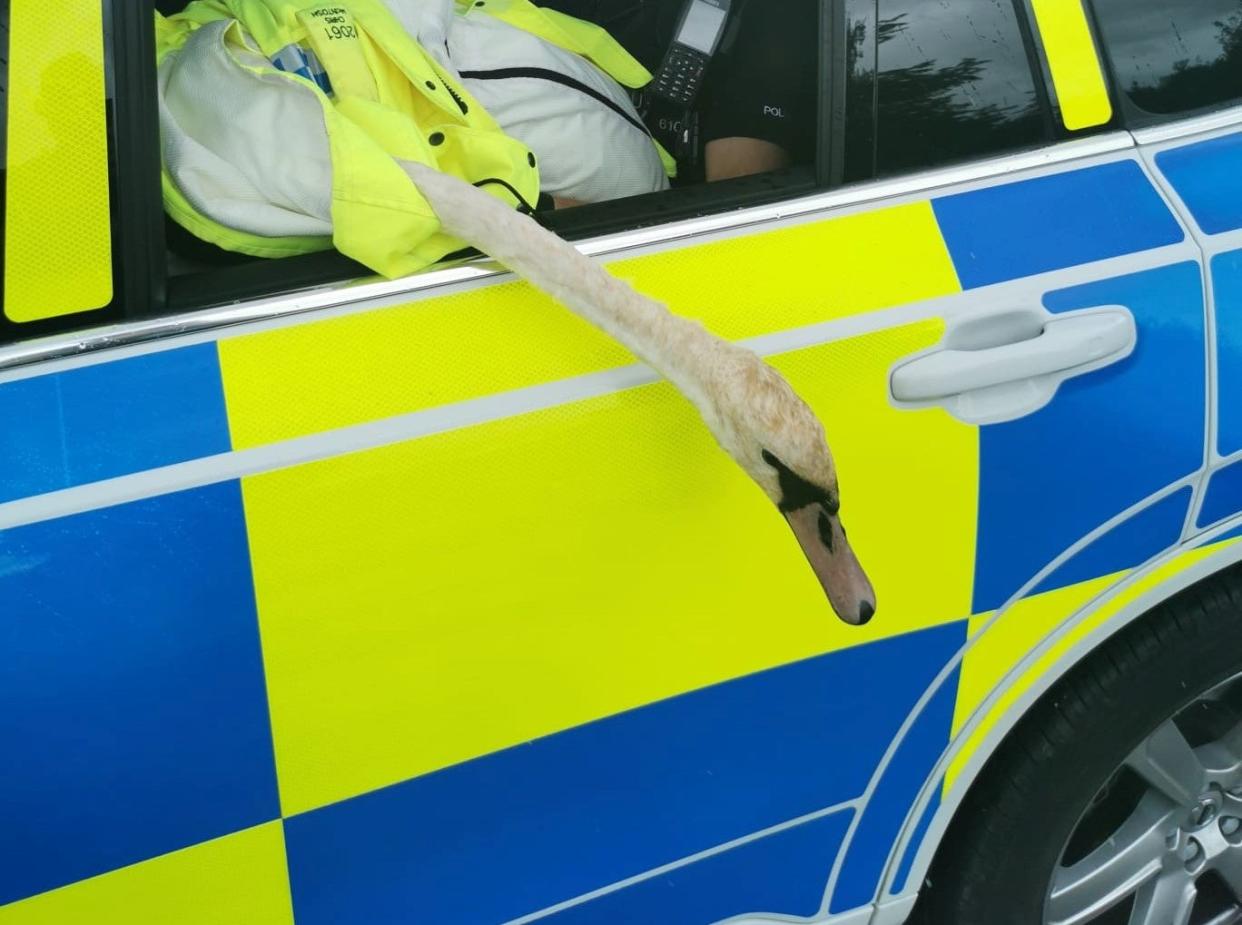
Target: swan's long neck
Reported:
[(699, 364), (679, 349)]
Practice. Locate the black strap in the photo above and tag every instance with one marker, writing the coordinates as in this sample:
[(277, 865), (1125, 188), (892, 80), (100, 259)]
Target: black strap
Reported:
[(538, 73), (523, 206)]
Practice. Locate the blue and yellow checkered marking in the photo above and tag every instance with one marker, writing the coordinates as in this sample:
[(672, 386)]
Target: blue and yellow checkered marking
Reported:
[(896, 792), (1224, 496), (780, 874), (1226, 272), (342, 371), (1133, 542), (413, 649), (729, 760), (902, 875), (428, 608), (98, 422), (1054, 222), (1208, 177), (1054, 476), (133, 689), (238, 879)]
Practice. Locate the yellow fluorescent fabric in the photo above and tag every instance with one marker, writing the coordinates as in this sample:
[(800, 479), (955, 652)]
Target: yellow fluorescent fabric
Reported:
[(239, 879), (574, 35), (1025, 625), (393, 112), (426, 603), (57, 232), (338, 372), (1075, 64)]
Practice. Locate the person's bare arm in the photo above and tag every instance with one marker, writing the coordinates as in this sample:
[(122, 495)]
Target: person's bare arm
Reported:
[(728, 158), (740, 157)]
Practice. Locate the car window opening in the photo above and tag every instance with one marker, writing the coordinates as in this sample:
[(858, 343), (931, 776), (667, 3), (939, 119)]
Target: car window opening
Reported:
[(747, 135)]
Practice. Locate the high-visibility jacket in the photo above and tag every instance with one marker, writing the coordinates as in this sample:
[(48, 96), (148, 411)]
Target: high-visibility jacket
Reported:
[(312, 104)]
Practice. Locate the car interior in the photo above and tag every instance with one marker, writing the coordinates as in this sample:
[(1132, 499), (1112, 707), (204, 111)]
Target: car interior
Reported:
[(199, 273)]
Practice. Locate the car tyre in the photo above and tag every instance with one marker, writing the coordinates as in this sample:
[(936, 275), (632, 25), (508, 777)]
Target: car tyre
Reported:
[(1083, 773)]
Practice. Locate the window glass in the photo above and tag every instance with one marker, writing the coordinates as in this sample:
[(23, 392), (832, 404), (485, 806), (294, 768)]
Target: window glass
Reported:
[(955, 81), (1174, 56), (853, 99)]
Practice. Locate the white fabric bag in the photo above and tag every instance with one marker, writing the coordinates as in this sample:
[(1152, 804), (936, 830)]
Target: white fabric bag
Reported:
[(252, 153)]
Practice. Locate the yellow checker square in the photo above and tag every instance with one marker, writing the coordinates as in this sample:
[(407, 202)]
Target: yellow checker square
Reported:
[(997, 649), (57, 223), (1025, 625), (429, 602), (240, 879), (362, 367)]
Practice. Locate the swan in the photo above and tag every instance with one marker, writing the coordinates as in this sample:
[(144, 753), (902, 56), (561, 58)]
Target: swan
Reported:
[(754, 414)]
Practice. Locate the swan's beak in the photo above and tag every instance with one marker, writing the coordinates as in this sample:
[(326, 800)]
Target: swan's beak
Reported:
[(834, 563)]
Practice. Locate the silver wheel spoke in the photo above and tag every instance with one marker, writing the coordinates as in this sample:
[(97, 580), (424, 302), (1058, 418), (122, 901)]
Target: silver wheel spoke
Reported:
[(1119, 867), (1229, 867), (1231, 744), (1167, 762), (1223, 758), (1178, 855), (1166, 900)]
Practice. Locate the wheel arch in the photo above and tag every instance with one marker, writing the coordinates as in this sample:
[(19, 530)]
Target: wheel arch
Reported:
[(1075, 639)]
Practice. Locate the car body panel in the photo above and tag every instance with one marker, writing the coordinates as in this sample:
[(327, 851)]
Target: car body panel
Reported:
[(1057, 626), (424, 601), (1052, 632), (426, 546)]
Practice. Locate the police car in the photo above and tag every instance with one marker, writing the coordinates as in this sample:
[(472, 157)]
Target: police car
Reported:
[(329, 599)]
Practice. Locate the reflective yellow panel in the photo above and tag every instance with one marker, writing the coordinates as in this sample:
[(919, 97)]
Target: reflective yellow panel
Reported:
[(57, 234), (240, 879), (427, 603), (1077, 75), (321, 376), (1006, 642)]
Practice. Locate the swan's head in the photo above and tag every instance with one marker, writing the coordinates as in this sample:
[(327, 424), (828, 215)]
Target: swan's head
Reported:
[(776, 438)]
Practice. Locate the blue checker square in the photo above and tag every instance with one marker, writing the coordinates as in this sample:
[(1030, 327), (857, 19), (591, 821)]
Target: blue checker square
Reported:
[(1128, 545), (1224, 496), (895, 794), (1054, 222), (782, 874), (1208, 177), (1106, 442), (1227, 295), (111, 419), (134, 715)]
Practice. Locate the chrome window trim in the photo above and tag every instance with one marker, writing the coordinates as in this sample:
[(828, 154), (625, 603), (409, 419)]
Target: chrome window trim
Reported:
[(74, 345), (1184, 128)]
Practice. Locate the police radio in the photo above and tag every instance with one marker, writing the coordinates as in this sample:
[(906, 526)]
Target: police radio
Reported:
[(698, 36), (668, 101)]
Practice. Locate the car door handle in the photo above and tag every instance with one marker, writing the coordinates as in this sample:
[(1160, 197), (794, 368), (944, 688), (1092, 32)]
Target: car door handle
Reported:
[(1079, 343)]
